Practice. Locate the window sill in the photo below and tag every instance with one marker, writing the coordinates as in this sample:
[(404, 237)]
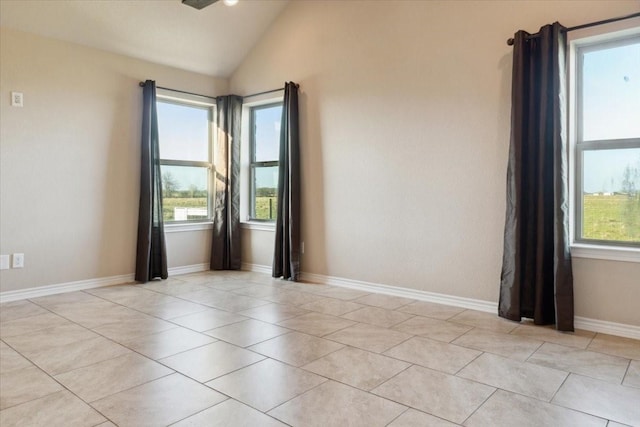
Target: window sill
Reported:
[(255, 225), (191, 226), (610, 253)]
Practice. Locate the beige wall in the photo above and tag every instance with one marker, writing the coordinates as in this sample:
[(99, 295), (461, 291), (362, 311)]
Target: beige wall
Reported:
[(405, 112), (69, 160), (257, 247)]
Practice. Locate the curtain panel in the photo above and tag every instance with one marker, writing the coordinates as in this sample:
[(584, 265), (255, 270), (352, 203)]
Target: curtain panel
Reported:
[(225, 247), (286, 260), (151, 254), (537, 279)]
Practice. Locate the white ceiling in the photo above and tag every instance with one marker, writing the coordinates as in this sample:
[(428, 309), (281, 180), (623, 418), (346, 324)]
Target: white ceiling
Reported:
[(211, 41)]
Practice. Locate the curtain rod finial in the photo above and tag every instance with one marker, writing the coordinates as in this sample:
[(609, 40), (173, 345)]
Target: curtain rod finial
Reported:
[(510, 42)]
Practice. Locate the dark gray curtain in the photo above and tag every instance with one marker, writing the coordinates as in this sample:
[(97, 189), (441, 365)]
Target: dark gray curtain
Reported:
[(151, 254), (537, 280), (286, 260), (225, 249)]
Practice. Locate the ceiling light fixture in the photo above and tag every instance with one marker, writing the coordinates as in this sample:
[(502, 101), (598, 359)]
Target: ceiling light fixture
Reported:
[(198, 4), (201, 4)]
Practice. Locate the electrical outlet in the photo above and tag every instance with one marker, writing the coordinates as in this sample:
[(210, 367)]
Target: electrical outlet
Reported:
[(17, 99), (4, 262), (18, 261)]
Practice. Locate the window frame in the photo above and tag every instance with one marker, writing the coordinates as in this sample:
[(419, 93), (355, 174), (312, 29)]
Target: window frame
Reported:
[(585, 247), (205, 103), (253, 164)]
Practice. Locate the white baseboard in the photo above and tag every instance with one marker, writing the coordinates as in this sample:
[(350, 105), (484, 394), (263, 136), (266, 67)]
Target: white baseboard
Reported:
[(594, 325), (469, 303), (186, 269), (256, 268), (43, 291), (604, 327)]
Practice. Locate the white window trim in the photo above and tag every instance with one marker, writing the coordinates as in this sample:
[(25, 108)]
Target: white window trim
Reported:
[(611, 253), (176, 96), (245, 166), (202, 101), (261, 226), (577, 39), (179, 227)]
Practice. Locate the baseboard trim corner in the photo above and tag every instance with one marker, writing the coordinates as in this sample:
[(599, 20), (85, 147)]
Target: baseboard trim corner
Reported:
[(469, 303), (379, 288), (79, 285), (605, 327), (186, 269), (593, 325), (256, 268)]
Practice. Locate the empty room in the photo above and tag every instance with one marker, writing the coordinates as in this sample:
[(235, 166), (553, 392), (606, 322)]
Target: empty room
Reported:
[(319, 213)]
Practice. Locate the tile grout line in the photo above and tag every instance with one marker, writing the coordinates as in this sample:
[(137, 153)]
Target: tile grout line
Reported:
[(253, 343), (326, 337), (481, 405), (399, 415), (551, 402), (115, 342), (289, 400), (151, 359), (364, 390), (534, 352), (219, 403), (469, 363), (527, 360), (626, 371), (59, 383)]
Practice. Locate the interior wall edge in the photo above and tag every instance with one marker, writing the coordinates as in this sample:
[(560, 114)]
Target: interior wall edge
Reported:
[(80, 285), (588, 324)]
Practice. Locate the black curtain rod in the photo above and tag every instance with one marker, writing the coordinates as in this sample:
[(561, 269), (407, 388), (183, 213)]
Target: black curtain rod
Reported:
[(579, 27), (141, 84), (263, 93)]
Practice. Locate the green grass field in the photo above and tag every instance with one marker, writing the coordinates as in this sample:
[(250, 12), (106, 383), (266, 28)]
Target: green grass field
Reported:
[(605, 217), (611, 218), (264, 210), (168, 203)]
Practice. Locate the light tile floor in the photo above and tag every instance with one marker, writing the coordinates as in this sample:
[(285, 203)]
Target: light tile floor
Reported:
[(242, 349)]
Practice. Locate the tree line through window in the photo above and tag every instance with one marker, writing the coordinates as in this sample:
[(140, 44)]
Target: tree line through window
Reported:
[(186, 159), (264, 149), (607, 143), (185, 133)]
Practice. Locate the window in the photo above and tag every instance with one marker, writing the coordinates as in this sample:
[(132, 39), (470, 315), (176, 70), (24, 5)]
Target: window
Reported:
[(264, 151), (186, 140), (606, 142)]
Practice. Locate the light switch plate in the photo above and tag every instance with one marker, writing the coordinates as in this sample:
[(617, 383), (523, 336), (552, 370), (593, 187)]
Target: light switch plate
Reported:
[(4, 262), (17, 99), (18, 261)]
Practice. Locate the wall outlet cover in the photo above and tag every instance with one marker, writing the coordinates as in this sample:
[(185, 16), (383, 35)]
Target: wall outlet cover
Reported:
[(4, 262), (18, 261), (17, 99)]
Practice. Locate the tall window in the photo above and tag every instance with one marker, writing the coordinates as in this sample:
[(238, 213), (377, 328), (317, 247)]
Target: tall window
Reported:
[(185, 132), (607, 142), (264, 149)]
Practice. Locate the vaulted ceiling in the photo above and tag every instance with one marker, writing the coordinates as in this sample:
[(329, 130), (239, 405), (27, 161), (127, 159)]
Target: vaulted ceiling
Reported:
[(211, 41)]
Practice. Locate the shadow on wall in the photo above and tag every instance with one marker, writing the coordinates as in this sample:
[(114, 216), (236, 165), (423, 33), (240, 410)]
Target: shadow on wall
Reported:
[(503, 126), (312, 174), (121, 193)]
